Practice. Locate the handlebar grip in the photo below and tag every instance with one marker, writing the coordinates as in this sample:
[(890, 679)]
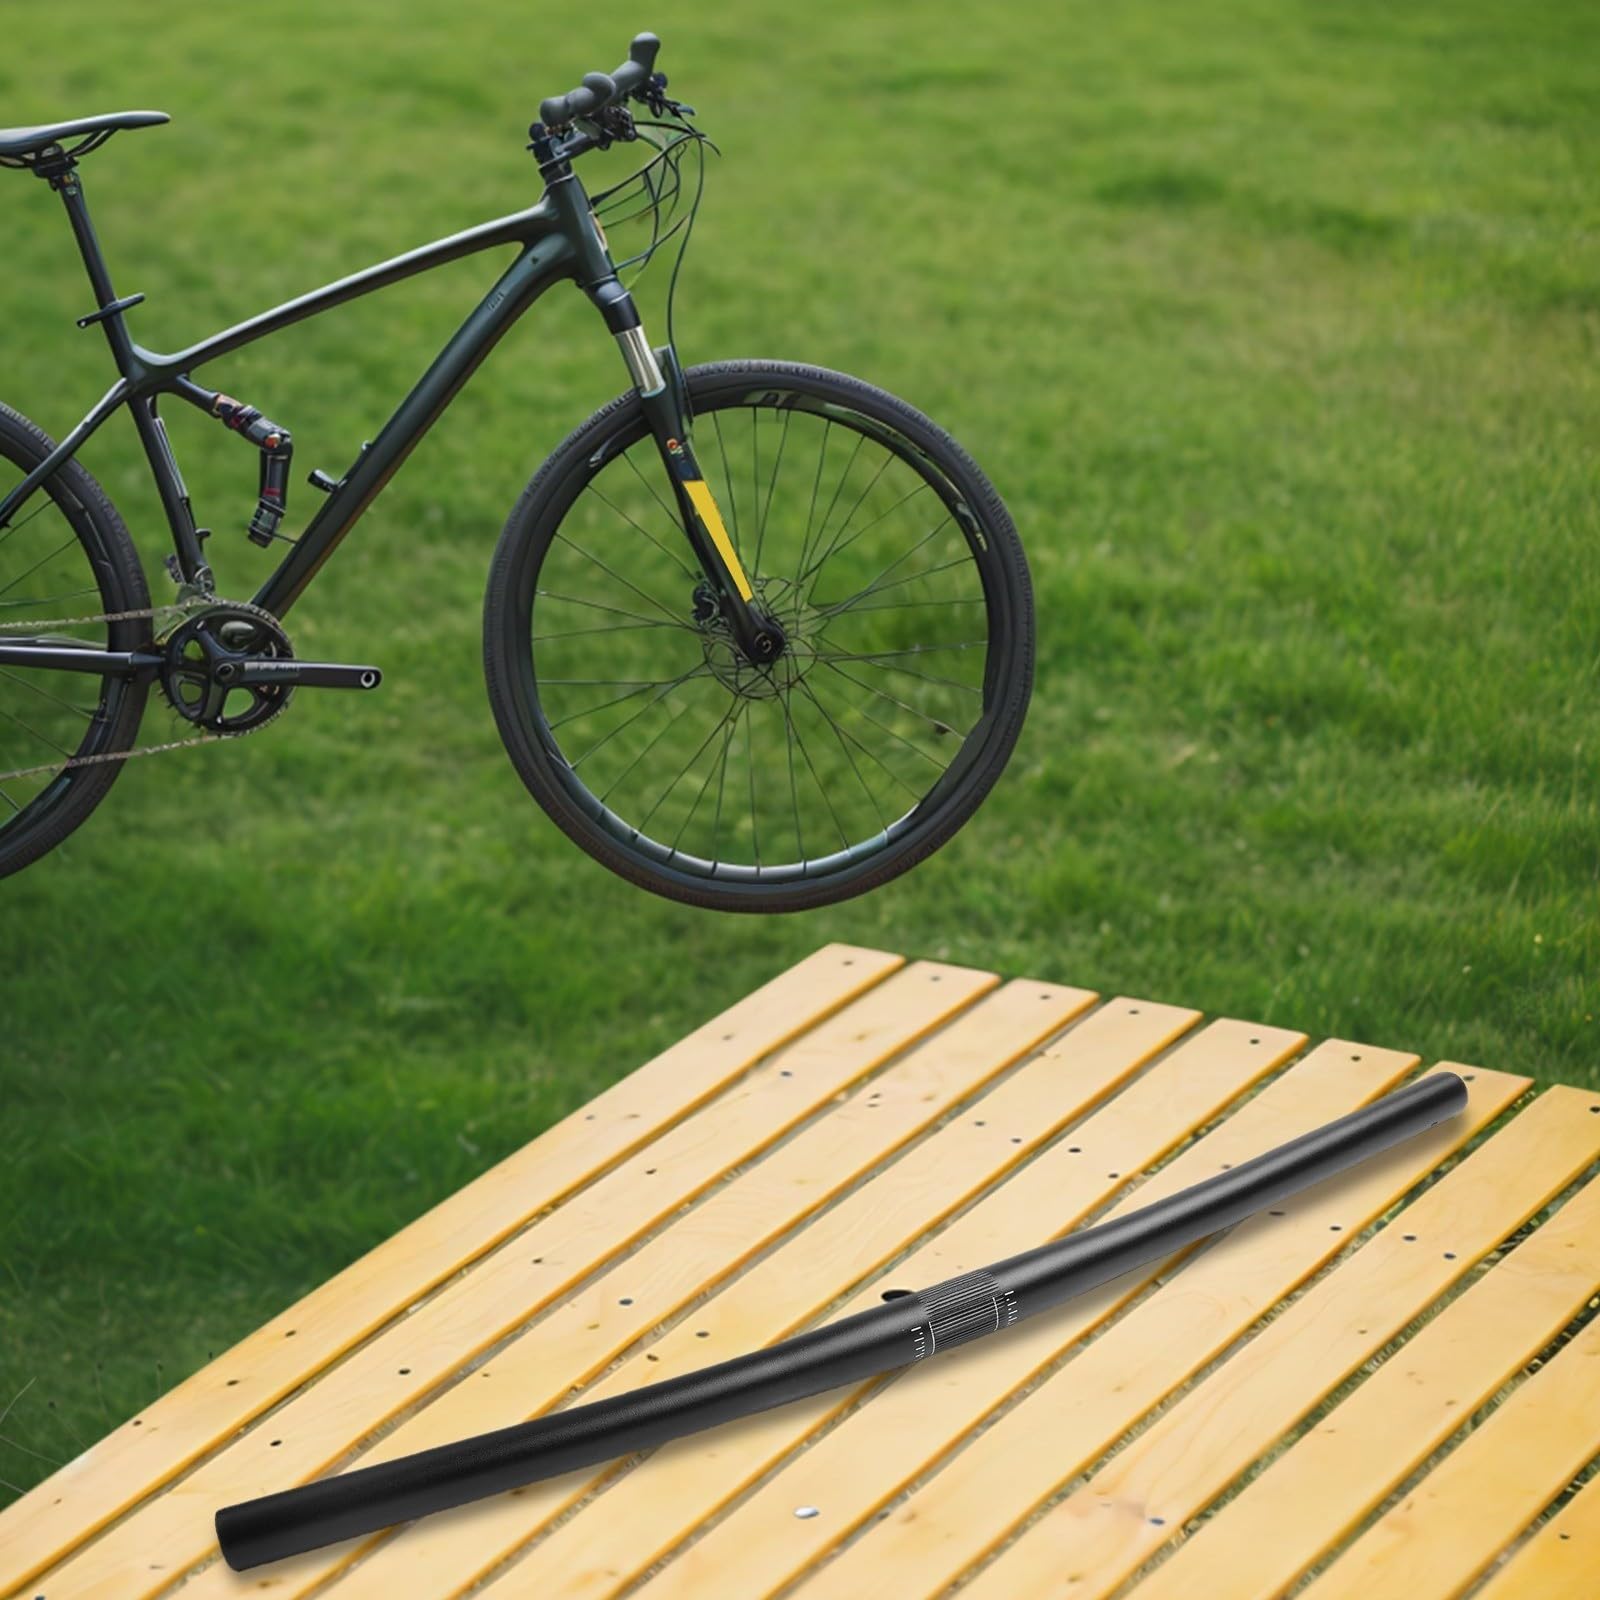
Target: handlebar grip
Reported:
[(597, 90), (601, 89), (642, 54)]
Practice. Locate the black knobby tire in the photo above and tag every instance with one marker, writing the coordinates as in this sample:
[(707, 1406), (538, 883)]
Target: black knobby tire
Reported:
[(883, 742), (66, 553)]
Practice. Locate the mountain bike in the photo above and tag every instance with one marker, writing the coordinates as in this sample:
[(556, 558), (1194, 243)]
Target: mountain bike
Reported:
[(758, 636)]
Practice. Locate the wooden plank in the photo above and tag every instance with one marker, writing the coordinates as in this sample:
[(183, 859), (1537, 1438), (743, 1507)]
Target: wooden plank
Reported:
[(1560, 1561), (408, 1359), (177, 1429), (850, 1473), (650, 1511), (579, 1338), (1260, 1543), (1485, 1492), (778, 1294)]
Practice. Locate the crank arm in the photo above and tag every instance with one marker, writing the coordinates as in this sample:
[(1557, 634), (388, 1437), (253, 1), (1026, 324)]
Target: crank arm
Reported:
[(44, 653), (310, 674)]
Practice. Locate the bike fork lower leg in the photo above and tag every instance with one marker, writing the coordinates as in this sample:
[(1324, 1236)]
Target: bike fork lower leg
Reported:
[(663, 397)]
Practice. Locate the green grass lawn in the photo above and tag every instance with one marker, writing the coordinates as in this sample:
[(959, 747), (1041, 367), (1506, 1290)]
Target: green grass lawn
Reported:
[(1277, 326)]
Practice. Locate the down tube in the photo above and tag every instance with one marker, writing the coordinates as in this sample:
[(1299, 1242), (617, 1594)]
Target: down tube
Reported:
[(540, 265)]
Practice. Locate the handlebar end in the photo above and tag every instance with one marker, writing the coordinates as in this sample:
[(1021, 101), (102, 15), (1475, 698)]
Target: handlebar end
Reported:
[(602, 89)]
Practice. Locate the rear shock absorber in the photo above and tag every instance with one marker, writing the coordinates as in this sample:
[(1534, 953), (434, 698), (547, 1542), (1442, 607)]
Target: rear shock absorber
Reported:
[(275, 443)]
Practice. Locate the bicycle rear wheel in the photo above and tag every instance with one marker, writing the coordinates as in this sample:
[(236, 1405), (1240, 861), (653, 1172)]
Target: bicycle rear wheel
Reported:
[(65, 554), (634, 720)]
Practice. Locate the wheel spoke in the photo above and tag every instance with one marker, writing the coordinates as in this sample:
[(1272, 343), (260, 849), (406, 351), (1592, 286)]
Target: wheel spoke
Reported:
[(43, 560), (650, 744), (794, 788), (632, 694), (616, 611), (838, 488), (839, 734), (900, 738), (649, 599), (28, 683), (674, 518), (730, 720), (17, 527), (921, 716), (750, 764), (29, 728), (683, 772), (835, 548), (913, 605), (603, 627), (608, 683), (872, 483), (910, 672), (722, 784), (910, 650), (49, 599), (777, 465), (827, 799), (638, 527), (755, 467), (816, 485), (591, 711), (877, 586)]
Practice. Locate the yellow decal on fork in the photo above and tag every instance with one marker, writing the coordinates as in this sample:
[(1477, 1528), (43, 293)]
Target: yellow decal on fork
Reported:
[(706, 509)]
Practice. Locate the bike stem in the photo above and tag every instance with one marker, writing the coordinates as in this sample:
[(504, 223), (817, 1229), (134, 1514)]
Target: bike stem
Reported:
[(664, 400)]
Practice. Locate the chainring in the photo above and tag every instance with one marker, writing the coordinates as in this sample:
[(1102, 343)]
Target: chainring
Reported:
[(198, 655)]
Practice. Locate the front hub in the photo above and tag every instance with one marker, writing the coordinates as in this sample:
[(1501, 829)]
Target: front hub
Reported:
[(767, 641), (761, 642), (792, 653)]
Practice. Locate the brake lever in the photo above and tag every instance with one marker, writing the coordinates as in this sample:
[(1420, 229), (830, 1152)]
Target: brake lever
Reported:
[(653, 93)]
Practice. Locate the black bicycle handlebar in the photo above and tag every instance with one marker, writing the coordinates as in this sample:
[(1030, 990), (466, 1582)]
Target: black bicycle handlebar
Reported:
[(602, 89), (909, 1326)]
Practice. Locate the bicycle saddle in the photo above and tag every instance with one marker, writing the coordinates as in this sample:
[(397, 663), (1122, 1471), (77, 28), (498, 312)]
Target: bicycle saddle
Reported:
[(20, 143)]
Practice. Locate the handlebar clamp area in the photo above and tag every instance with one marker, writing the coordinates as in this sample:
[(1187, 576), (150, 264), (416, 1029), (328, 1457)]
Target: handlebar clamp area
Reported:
[(602, 89)]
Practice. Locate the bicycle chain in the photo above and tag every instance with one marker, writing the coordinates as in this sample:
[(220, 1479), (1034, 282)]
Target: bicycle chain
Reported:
[(180, 609)]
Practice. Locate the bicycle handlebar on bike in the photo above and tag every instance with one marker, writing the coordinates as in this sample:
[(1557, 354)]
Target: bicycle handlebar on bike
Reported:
[(602, 89)]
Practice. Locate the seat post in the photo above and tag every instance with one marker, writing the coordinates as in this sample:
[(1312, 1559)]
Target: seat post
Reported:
[(63, 178)]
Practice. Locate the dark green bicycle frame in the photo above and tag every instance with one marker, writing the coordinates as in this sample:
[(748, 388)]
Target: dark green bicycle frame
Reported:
[(558, 239)]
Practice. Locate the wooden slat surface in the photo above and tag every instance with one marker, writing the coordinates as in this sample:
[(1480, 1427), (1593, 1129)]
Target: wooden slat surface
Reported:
[(1560, 1561), (1452, 1525), (1268, 1536), (859, 1123), (193, 1417)]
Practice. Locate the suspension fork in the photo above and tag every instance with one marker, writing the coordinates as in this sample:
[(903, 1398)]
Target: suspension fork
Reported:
[(664, 399)]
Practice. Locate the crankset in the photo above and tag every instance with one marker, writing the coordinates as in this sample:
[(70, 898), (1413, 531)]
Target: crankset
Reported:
[(229, 668)]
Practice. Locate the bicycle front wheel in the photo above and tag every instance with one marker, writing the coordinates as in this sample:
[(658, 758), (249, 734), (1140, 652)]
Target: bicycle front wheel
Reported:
[(635, 721)]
